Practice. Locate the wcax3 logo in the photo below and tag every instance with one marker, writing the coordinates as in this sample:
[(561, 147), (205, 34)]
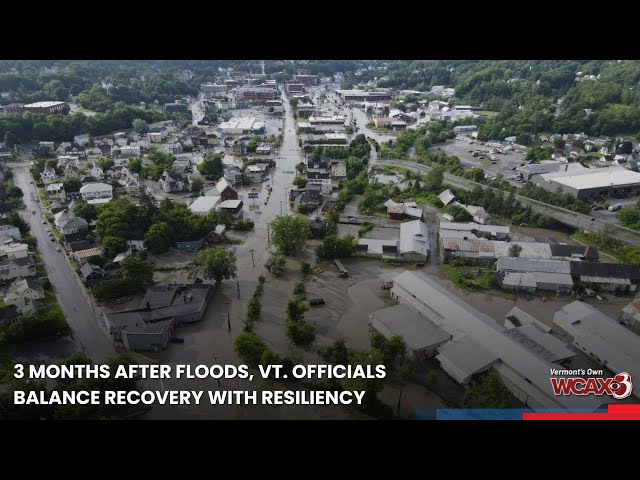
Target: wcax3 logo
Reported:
[(618, 386)]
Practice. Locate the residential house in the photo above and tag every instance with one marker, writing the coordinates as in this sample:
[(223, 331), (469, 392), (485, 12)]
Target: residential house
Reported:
[(5, 152), (48, 175), (96, 193), (69, 224), (156, 137), (91, 273), (71, 170), (62, 148), (411, 246), (310, 195), (94, 153), (26, 288), (174, 148), (82, 256), (10, 249), (44, 149), (232, 207), (17, 267), (96, 171), (399, 211), (9, 232), (338, 169), (225, 190), (126, 151), (170, 183), (446, 197), (232, 174), (181, 166), (322, 179), (82, 140), (132, 186), (218, 234), (56, 191), (88, 179), (254, 173), (135, 240)]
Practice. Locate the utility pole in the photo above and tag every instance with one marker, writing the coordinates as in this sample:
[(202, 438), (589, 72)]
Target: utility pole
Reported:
[(252, 259), (268, 240), (238, 285), (228, 317)]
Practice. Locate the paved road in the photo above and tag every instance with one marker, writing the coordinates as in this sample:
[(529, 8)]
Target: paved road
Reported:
[(88, 331), (286, 159), (568, 217)]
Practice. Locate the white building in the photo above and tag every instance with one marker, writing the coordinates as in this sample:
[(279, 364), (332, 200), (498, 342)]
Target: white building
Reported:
[(241, 125), (602, 338), (478, 343), (10, 249), (204, 205), (95, 193)]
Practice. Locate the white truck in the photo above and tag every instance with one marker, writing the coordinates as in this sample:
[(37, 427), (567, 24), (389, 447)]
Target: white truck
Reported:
[(613, 208)]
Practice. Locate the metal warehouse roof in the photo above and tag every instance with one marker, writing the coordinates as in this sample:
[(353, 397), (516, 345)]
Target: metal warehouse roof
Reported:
[(542, 344), (594, 178), (609, 341), (460, 319), (520, 264), (402, 320)]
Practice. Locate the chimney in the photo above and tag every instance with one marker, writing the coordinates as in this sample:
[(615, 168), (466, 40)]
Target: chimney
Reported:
[(148, 306)]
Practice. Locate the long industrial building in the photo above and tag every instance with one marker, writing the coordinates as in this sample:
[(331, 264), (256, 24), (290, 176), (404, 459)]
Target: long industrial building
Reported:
[(590, 182), (478, 344), (602, 338)]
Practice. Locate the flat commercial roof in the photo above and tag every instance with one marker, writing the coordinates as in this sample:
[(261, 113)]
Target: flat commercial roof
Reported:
[(595, 178), (43, 104), (604, 337), (460, 319), (204, 204), (543, 344), (402, 320), (470, 227), (520, 264), (466, 356)]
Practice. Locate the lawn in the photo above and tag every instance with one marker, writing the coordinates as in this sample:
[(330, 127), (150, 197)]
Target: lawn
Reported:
[(470, 277), (487, 113)]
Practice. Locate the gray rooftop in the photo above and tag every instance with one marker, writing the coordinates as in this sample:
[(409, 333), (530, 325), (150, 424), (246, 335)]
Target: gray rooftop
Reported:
[(404, 321), (609, 341), (520, 264), (545, 345), (458, 318)]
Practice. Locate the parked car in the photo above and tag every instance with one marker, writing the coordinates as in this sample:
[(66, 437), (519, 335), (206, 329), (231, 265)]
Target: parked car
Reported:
[(352, 219), (177, 340), (316, 301), (53, 239)]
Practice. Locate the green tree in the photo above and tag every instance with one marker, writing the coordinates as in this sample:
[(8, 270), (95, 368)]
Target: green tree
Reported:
[(87, 211), (253, 308), (249, 347), (15, 219), (300, 181), (159, 237), (196, 185), (336, 354), (305, 268), (10, 139), (489, 392), (433, 182), (105, 163), (289, 233), (72, 184), (138, 270), (211, 165), (113, 245), (630, 217), (134, 165), (13, 191), (216, 263), (301, 333), (459, 214), (298, 288), (514, 250), (275, 264), (295, 310), (140, 125), (337, 247)]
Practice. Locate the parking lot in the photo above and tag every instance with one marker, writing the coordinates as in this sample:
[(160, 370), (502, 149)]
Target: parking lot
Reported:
[(504, 163)]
